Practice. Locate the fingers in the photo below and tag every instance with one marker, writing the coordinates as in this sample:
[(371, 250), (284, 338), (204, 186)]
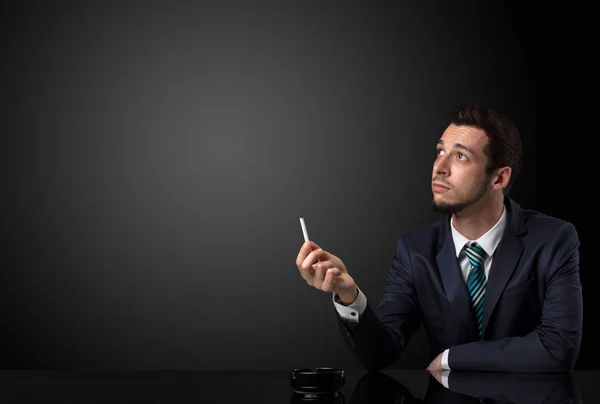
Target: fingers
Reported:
[(306, 248), (321, 272), (314, 266), (306, 266), (312, 257), (330, 282)]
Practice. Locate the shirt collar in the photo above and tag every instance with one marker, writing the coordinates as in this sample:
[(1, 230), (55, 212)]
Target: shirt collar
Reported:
[(489, 241)]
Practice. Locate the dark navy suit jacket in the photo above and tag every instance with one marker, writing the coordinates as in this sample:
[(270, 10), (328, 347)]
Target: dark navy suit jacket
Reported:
[(533, 308)]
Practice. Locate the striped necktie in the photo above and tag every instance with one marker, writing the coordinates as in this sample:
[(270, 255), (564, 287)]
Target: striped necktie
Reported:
[(476, 281)]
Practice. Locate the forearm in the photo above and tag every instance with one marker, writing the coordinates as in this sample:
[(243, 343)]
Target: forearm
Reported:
[(380, 335), (370, 341), (549, 348), (515, 354)]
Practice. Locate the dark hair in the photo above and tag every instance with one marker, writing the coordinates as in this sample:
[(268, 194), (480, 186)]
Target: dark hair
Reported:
[(504, 147)]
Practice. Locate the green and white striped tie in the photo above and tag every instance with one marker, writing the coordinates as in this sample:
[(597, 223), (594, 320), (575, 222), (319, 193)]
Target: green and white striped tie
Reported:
[(476, 281)]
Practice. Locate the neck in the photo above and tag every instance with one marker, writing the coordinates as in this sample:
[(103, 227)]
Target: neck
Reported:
[(475, 220)]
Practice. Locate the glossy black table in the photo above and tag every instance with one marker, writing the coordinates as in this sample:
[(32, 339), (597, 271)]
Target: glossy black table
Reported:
[(391, 386)]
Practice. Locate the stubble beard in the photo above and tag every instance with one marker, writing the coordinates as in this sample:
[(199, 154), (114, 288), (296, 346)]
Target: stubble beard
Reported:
[(445, 208)]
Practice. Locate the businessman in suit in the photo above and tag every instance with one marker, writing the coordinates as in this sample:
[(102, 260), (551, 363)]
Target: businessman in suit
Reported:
[(495, 286)]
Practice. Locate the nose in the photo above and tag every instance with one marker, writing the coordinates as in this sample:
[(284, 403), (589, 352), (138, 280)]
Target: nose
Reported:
[(440, 166)]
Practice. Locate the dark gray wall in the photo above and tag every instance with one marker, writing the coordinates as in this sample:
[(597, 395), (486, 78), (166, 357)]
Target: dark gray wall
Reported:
[(159, 154)]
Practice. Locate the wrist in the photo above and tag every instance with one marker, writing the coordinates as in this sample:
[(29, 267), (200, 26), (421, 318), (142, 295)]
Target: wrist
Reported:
[(347, 298)]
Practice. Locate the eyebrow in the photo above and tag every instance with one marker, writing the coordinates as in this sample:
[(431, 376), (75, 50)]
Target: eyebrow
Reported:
[(458, 146)]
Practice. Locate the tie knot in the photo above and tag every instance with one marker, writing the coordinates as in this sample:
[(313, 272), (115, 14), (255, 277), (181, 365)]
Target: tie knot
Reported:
[(475, 253)]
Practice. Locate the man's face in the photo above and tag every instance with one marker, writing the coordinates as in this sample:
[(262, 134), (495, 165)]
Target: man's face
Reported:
[(459, 179)]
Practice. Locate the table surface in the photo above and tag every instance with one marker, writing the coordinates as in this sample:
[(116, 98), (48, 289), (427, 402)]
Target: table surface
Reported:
[(391, 386)]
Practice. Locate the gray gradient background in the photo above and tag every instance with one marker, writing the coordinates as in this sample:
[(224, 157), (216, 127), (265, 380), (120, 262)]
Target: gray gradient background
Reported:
[(160, 154)]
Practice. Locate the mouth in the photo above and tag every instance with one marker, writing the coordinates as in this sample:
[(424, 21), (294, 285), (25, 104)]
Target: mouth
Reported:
[(439, 187)]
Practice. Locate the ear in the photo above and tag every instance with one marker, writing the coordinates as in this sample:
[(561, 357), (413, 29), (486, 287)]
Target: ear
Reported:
[(501, 178)]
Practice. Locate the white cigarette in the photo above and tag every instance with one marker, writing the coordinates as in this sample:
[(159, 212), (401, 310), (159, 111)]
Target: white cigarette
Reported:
[(304, 231)]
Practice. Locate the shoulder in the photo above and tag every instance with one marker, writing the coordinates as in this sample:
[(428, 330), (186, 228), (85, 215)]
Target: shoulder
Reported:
[(423, 240), (543, 226), (553, 240)]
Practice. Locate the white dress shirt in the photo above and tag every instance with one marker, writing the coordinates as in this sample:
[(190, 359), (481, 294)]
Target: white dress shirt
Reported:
[(489, 241)]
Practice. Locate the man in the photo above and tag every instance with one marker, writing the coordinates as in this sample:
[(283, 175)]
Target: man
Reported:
[(496, 286)]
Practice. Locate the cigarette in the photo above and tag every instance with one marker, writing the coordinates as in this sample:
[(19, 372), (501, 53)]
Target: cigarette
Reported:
[(304, 231)]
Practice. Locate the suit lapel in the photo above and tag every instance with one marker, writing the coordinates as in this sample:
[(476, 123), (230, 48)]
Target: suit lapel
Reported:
[(506, 258), (452, 279)]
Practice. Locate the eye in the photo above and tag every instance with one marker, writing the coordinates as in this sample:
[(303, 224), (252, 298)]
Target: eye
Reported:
[(462, 156), (439, 151)]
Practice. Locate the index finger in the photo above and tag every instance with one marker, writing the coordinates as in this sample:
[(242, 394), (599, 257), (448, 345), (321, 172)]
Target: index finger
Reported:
[(306, 249)]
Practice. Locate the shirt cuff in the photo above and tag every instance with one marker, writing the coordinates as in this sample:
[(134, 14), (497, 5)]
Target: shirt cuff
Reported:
[(445, 365), (354, 310)]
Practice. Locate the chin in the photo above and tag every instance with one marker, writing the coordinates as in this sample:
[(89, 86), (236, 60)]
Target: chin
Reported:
[(441, 206), (442, 199)]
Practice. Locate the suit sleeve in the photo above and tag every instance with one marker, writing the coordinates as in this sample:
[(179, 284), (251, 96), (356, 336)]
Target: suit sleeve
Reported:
[(381, 334), (554, 345)]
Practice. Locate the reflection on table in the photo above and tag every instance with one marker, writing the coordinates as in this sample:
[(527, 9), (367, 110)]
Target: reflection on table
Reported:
[(402, 386), (471, 387)]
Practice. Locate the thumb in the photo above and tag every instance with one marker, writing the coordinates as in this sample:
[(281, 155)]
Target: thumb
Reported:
[(341, 279), (313, 245)]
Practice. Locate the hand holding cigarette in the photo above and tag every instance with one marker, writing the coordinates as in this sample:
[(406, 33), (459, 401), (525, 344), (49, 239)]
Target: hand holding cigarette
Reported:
[(328, 273)]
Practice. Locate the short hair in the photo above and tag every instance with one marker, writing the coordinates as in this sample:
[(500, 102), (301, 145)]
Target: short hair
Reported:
[(504, 146)]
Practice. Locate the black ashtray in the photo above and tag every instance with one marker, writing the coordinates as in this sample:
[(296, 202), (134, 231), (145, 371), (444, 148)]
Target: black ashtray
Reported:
[(317, 383)]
